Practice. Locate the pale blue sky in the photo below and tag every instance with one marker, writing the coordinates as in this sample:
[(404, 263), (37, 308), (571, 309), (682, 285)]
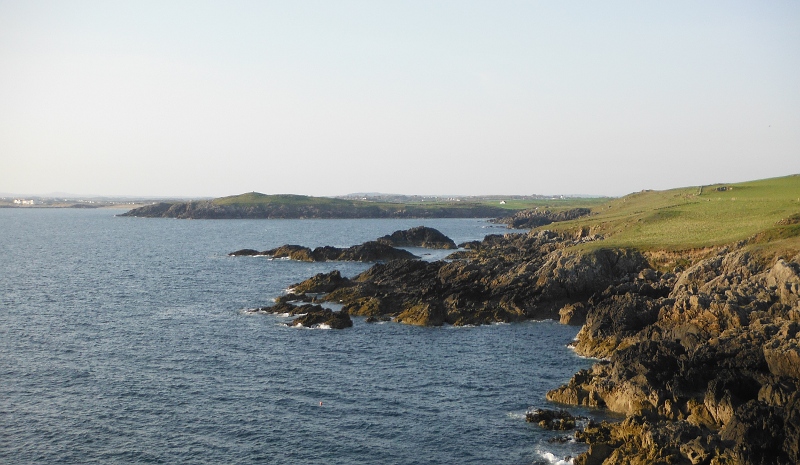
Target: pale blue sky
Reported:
[(326, 97)]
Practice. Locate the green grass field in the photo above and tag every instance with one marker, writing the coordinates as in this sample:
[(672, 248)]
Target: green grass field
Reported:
[(256, 198), (696, 217)]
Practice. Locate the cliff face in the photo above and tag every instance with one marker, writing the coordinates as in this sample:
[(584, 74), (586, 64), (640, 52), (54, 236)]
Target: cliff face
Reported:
[(708, 373)]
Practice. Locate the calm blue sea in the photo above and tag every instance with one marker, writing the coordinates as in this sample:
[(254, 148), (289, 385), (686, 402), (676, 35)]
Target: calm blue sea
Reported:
[(127, 340)]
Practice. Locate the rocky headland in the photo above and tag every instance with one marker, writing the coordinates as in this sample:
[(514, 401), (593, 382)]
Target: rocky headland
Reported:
[(255, 205), (704, 361), (698, 341)]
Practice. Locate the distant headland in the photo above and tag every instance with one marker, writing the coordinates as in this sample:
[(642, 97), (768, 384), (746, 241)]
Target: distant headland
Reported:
[(255, 205)]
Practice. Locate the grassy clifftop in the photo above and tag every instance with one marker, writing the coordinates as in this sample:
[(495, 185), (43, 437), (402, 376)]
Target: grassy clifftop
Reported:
[(693, 217)]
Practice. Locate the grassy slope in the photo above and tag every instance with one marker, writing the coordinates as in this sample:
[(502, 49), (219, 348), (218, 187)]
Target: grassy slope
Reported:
[(692, 217), (255, 198)]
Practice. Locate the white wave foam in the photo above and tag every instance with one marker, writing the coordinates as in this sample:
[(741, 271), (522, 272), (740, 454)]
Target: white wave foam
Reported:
[(516, 415), (551, 458)]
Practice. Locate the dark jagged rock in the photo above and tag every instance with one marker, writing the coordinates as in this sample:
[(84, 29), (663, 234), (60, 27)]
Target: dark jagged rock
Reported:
[(533, 218), (559, 420), (318, 316), (371, 251), (292, 252), (503, 279), (706, 373), (320, 283), (420, 236), (310, 315), (292, 297)]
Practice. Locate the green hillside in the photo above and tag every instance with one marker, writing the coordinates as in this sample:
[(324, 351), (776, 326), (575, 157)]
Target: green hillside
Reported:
[(763, 211), (257, 198)]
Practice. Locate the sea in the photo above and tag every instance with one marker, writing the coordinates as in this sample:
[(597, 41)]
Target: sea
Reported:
[(131, 340)]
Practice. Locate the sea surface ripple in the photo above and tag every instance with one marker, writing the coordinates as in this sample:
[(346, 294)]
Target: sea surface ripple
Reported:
[(127, 340)]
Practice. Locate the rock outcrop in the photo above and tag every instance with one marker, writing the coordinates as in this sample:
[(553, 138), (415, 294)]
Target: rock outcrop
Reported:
[(420, 236), (310, 316), (382, 249), (703, 363), (535, 217), (371, 251), (501, 279)]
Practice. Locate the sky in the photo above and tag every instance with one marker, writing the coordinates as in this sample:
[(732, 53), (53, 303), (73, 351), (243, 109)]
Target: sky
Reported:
[(207, 99)]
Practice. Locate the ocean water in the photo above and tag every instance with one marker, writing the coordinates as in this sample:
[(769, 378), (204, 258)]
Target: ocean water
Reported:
[(127, 340)]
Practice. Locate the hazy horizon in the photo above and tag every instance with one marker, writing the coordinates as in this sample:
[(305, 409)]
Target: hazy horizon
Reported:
[(210, 99)]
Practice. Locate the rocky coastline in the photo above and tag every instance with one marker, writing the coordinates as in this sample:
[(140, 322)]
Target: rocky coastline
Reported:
[(700, 350)]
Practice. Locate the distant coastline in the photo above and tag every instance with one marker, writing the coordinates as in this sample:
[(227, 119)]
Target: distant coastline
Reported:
[(254, 205)]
